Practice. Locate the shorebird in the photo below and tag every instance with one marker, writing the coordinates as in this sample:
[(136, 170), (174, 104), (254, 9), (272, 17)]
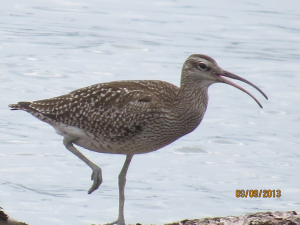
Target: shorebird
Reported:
[(132, 117)]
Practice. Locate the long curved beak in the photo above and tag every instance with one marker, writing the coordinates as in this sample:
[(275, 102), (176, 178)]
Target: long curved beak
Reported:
[(233, 76)]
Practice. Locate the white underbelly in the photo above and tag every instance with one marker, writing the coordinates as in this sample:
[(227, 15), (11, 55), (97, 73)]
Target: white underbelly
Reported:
[(102, 144)]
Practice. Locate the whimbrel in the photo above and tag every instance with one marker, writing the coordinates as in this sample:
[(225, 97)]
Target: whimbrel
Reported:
[(132, 117)]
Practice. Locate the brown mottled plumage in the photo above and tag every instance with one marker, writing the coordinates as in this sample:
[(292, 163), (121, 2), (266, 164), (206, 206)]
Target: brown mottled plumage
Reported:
[(131, 117)]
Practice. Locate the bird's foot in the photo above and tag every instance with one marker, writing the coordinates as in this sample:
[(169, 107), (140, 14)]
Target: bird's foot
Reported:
[(117, 222), (97, 178)]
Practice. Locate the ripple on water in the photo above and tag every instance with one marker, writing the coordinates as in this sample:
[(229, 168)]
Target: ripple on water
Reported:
[(282, 164), (128, 47), (4, 78), (20, 142), (273, 112), (230, 124), (32, 59), (265, 152), (28, 154), (42, 74), (188, 151), (294, 204), (21, 154), (221, 141), (102, 73)]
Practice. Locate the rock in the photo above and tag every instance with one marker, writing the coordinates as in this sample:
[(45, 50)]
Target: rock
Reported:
[(5, 220), (260, 218)]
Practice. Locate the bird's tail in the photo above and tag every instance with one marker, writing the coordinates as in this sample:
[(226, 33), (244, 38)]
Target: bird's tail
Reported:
[(19, 105)]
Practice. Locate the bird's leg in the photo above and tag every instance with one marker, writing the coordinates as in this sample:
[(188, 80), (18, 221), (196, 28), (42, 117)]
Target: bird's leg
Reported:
[(122, 182), (97, 173)]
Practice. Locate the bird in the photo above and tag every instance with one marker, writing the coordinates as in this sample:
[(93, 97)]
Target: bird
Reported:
[(132, 116)]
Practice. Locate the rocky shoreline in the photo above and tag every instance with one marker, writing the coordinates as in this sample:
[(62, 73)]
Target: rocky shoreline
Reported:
[(5, 220), (260, 218)]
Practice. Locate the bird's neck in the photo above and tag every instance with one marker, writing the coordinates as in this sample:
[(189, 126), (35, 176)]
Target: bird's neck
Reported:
[(194, 96), (193, 103)]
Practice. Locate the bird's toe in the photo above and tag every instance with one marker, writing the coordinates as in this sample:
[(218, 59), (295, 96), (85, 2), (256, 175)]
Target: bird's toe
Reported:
[(97, 178)]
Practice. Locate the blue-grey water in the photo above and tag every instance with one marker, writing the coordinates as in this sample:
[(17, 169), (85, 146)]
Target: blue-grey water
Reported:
[(48, 48)]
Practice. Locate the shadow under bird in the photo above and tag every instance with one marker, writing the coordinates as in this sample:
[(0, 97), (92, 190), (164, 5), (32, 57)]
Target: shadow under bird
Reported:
[(132, 117)]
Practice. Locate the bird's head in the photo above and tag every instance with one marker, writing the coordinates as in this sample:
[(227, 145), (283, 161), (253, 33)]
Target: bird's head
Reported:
[(204, 70)]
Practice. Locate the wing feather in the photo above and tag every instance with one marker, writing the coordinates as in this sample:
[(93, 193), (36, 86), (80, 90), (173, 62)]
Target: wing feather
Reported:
[(114, 109)]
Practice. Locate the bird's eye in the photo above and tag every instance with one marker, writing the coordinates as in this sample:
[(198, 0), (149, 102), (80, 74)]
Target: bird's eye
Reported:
[(202, 66)]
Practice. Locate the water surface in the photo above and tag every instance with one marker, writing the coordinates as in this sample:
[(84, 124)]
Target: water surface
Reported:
[(49, 48)]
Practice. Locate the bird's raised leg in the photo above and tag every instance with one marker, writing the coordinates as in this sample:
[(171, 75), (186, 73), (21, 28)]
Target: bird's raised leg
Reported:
[(97, 173), (122, 182)]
